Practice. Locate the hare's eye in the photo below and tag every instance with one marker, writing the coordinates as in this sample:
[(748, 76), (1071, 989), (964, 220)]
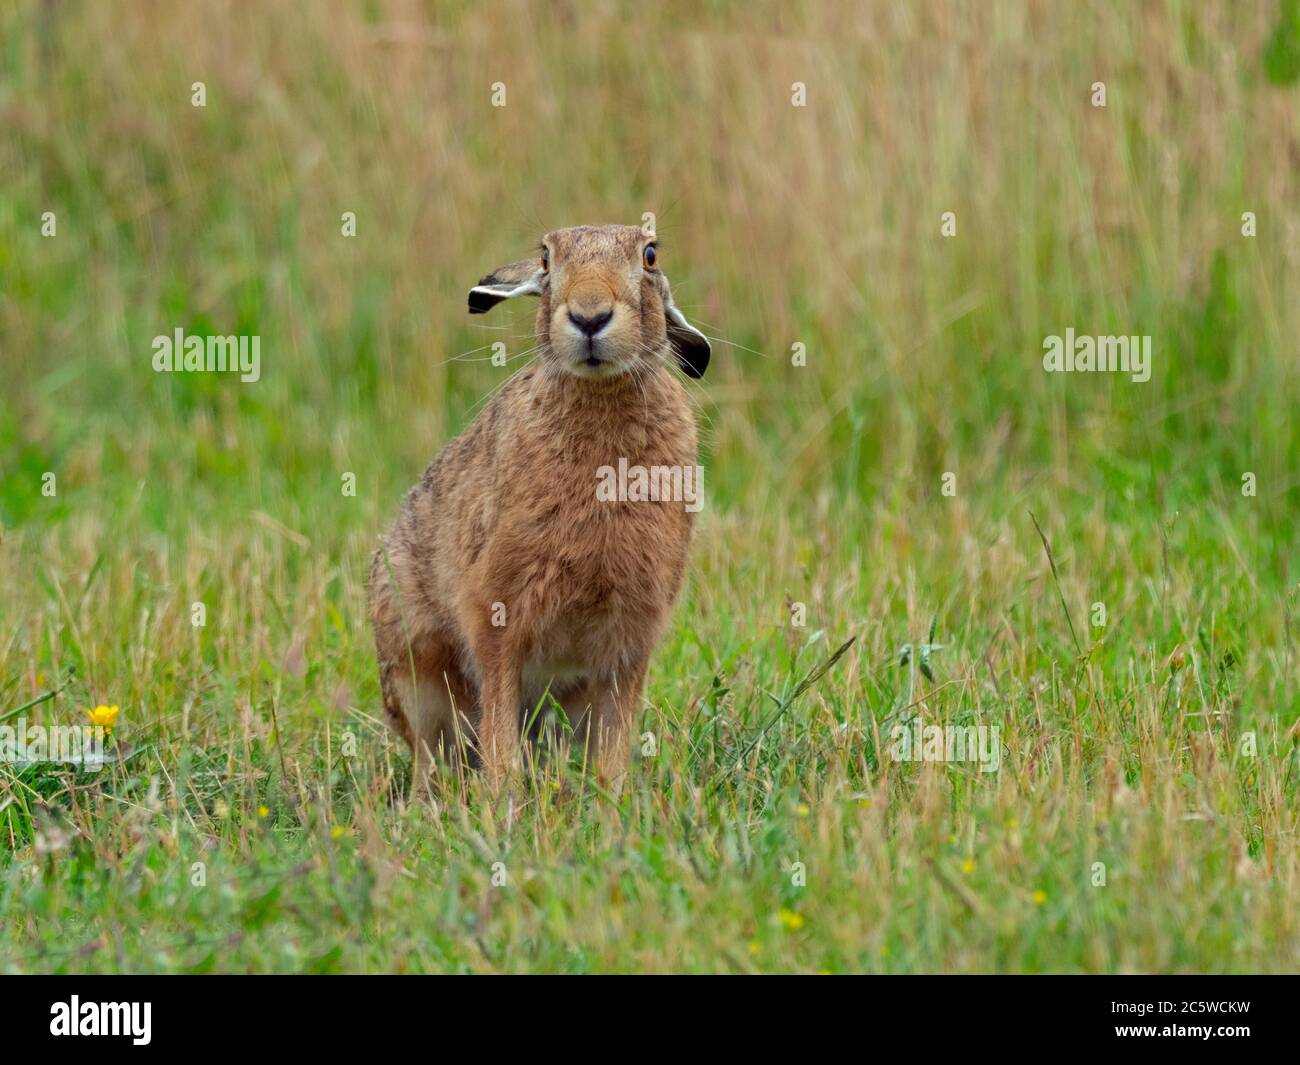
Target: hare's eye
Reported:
[(649, 256), (546, 259)]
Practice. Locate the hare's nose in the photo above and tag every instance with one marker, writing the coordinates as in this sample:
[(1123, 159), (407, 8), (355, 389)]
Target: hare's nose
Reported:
[(590, 324)]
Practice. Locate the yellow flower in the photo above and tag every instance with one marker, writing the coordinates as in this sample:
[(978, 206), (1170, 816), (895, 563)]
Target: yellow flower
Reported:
[(262, 811), (103, 715), (1039, 897), (336, 832), (803, 809), (792, 921), (1012, 823), (755, 947), (968, 866), (864, 804)]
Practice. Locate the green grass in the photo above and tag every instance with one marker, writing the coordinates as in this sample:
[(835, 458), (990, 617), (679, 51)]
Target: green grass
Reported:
[(252, 745)]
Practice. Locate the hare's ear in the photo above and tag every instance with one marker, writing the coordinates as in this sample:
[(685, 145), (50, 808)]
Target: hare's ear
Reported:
[(523, 278), (689, 345)]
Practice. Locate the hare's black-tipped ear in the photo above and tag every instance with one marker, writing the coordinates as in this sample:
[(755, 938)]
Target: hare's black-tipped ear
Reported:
[(523, 278), (689, 345)]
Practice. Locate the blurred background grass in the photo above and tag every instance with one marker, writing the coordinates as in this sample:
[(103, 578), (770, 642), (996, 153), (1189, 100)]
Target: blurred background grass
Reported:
[(817, 225)]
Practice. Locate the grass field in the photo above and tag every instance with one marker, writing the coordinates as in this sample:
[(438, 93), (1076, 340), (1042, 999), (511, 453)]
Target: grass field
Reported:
[(1144, 815)]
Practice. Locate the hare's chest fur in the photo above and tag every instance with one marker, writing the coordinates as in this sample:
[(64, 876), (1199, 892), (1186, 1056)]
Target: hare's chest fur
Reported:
[(592, 532), (602, 591)]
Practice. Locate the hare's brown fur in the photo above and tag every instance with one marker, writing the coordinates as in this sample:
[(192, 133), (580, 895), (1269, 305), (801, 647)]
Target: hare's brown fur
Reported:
[(505, 526)]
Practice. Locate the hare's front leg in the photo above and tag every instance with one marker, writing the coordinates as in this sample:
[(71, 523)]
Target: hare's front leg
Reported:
[(612, 718), (500, 697)]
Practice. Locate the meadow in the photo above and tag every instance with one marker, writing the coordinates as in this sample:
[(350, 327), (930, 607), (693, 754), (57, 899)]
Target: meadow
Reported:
[(1108, 566)]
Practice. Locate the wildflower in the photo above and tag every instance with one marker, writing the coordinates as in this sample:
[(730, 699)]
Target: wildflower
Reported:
[(792, 921), (336, 832), (262, 811), (968, 866), (755, 947), (103, 716), (803, 810), (1012, 823), (1039, 897)]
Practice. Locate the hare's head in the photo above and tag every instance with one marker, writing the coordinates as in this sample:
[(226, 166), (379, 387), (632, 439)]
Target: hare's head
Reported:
[(606, 307)]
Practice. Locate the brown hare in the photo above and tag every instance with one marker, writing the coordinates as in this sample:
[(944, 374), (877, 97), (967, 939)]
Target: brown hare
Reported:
[(514, 567)]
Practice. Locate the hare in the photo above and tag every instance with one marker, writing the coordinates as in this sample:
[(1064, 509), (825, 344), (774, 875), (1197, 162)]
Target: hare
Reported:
[(514, 568)]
